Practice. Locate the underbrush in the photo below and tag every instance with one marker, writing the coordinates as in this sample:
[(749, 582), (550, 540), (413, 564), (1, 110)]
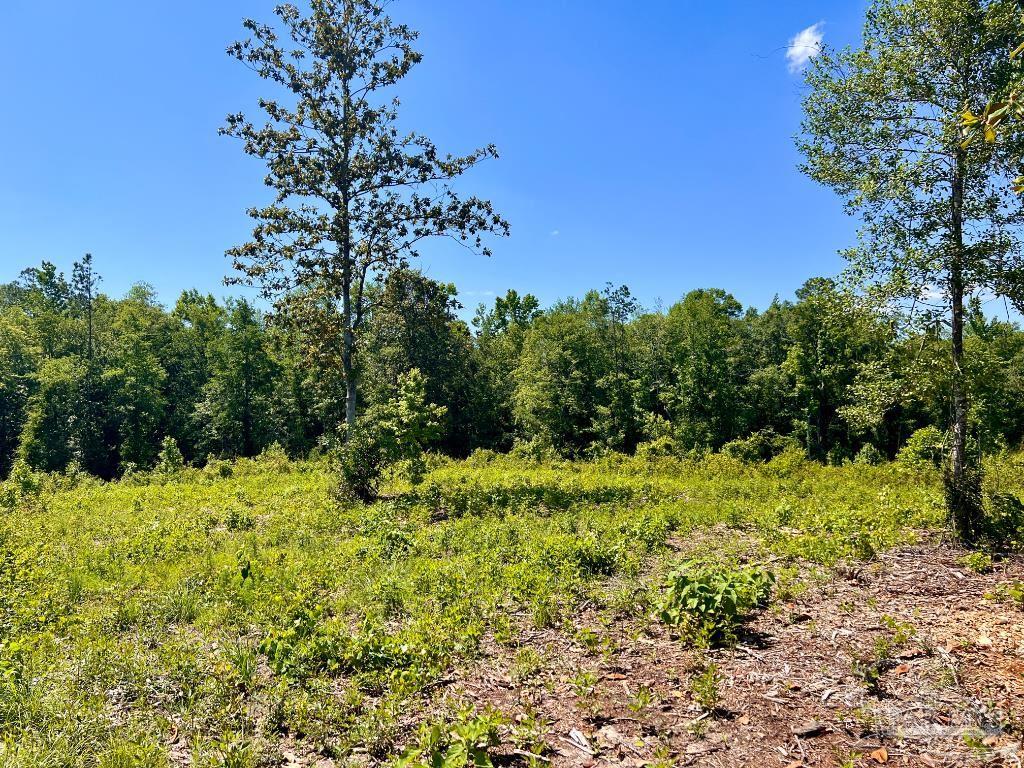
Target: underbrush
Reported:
[(215, 612)]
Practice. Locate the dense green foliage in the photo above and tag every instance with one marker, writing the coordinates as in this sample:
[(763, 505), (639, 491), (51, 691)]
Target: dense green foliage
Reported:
[(100, 382), (213, 612)]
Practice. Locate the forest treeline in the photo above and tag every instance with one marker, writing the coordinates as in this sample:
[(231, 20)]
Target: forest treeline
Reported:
[(101, 383)]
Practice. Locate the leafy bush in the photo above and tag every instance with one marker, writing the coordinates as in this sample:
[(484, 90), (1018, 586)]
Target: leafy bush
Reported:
[(924, 447), (869, 455), (656, 448), (759, 447), (979, 562), (535, 450), (1003, 524), (393, 433), (709, 602), (169, 460), (217, 468)]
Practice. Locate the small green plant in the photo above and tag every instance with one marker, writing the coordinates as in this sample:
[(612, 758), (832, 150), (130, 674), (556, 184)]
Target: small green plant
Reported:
[(1011, 592), (529, 735), (244, 663), (871, 666), (978, 562), (869, 670), (527, 664), (234, 752), (128, 755), (584, 683), (641, 700), (239, 519), (705, 687), (465, 741), (708, 602), (903, 632)]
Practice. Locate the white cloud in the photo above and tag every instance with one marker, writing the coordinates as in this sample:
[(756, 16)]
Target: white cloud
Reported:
[(555, 233), (804, 46)]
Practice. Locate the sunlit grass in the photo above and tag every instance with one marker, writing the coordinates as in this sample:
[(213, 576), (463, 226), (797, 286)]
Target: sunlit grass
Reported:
[(214, 611)]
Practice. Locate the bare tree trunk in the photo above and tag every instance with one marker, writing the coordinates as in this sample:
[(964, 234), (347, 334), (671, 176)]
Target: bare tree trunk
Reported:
[(963, 491)]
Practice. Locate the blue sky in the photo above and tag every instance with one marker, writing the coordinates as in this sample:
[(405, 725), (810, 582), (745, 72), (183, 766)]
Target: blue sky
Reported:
[(641, 143)]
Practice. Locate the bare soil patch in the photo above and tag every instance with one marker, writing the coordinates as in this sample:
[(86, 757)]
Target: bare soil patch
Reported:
[(905, 660)]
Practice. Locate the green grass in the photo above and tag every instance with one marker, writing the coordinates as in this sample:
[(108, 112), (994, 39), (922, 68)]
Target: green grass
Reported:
[(216, 611)]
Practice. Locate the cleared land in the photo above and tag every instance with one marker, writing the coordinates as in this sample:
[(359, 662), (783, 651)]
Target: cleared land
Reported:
[(506, 611)]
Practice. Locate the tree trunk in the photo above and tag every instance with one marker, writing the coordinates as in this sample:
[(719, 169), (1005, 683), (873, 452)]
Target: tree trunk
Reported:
[(348, 341), (348, 345), (963, 481)]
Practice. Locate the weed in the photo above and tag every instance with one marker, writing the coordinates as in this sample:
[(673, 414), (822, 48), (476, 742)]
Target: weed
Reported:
[(528, 664), (244, 663), (583, 683), (139, 590), (705, 687), (978, 562), (708, 602), (529, 734), (465, 741), (641, 700), (1011, 592)]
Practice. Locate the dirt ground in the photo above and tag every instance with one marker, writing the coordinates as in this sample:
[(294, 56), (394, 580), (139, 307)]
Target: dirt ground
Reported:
[(903, 661)]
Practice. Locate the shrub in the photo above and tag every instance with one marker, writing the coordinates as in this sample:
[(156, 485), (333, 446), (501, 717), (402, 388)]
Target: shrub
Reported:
[(360, 465), (391, 434), (924, 447), (169, 460), (870, 455), (656, 448), (979, 562), (534, 450), (217, 467), (709, 602), (1003, 525), (838, 455), (759, 447)]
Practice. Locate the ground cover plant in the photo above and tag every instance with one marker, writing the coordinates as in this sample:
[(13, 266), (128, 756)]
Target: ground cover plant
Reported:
[(503, 609)]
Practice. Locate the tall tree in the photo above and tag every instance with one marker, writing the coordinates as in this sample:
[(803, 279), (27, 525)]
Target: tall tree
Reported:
[(703, 342), (18, 361), (939, 219), (236, 410), (500, 332), (831, 339), (197, 328), (565, 385), (135, 375), (354, 197), (84, 281)]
